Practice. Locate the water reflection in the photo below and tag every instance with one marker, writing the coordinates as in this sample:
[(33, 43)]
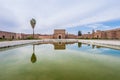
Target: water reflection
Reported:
[(59, 45), (88, 44), (74, 63), (63, 45), (92, 46), (33, 57), (98, 46), (79, 44)]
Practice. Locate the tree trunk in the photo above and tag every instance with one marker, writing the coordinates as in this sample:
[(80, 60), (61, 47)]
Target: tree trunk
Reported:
[(33, 33)]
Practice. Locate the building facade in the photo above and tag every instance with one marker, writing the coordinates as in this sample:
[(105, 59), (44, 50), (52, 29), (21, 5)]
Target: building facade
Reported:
[(7, 35), (61, 34), (108, 34), (58, 34), (45, 36)]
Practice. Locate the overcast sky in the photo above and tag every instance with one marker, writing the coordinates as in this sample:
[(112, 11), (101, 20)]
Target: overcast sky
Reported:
[(72, 15)]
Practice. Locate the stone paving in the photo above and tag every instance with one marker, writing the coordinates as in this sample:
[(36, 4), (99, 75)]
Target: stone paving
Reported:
[(15, 43)]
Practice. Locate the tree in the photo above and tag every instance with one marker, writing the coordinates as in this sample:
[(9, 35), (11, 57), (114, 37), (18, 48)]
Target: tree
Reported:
[(79, 44), (79, 33), (33, 22), (88, 32)]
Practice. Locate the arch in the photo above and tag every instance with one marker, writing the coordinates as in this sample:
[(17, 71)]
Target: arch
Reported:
[(13, 37), (59, 36), (3, 36), (59, 43)]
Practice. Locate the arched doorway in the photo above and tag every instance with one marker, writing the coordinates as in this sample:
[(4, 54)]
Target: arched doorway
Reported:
[(12, 37), (59, 36), (3, 37)]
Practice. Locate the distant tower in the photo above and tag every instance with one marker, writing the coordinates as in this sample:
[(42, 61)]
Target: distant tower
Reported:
[(93, 32)]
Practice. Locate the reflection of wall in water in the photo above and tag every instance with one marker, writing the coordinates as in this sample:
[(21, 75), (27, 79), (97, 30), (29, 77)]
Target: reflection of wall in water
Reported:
[(59, 45), (95, 46), (98, 46)]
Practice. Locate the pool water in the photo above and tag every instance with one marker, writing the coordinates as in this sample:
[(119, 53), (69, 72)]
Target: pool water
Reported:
[(60, 61)]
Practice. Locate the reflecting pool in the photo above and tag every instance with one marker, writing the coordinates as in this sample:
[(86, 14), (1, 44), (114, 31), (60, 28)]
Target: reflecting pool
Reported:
[(59, 61)]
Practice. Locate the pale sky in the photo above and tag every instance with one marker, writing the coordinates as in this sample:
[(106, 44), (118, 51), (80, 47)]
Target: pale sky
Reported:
[(72, 15)]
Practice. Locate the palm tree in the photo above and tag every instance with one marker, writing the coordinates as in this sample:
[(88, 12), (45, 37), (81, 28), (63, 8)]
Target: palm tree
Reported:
[(79, 33), (33, 22)]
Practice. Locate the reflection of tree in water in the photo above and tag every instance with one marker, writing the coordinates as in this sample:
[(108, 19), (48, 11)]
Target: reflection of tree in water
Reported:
[(93, 46), (33, 57), (88, 44), (79, 44)]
